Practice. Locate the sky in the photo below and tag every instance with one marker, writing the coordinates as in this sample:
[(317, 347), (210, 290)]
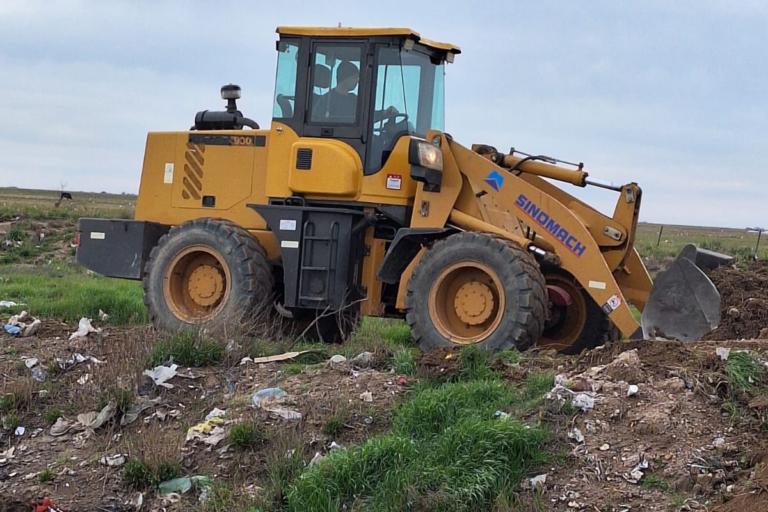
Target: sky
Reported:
[(671, 95)]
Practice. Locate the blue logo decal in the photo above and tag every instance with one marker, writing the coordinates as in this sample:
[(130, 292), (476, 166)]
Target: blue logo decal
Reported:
[(495, 180), (541, 217)]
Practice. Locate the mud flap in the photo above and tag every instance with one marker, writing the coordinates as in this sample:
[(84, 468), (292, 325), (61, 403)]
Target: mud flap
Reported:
[(684, 304)]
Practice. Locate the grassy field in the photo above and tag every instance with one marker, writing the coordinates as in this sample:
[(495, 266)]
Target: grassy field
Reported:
[(735, 242)]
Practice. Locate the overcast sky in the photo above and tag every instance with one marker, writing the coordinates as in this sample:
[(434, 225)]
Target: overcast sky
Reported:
[(671, 95)]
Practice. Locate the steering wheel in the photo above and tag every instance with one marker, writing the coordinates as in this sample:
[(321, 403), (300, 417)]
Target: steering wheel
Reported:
[(388, 126)]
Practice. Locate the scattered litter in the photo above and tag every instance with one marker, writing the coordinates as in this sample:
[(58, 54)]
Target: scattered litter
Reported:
[(401, 381), (605, 447), (584, 401), (538, 482), (637, 472), (263, 397), (337, 359), (501, 415), (103, 316), (364, 359), (93, 420), (335, 446), (317, 458), (718, 442), (12, 329), (184, 484), (61, 427), (207, 431), (138, 406), (83, 379), (632, 390), (138, 501), (45, 505), (232, 346), (113, 460), (75, 359), (160, 375), (723, 352), (215, 413), (20, 431), (7, 455), (268, 393), (31, 329), (366, 396), (30, 362), (84, 328), (576, 435), (10, 304), (279, 357)]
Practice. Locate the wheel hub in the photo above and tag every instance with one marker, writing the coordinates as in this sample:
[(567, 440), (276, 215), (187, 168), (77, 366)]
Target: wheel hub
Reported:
[(206, 285), (474, 303)]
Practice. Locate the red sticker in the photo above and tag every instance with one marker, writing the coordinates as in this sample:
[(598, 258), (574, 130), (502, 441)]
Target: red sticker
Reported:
[(394, 182)]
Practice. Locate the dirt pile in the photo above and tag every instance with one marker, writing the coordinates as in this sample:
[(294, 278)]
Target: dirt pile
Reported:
[(744, 306)]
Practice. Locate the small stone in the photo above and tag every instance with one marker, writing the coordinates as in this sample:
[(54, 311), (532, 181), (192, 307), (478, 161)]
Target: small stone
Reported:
[(718, 442), (734, 313), (605, 447)]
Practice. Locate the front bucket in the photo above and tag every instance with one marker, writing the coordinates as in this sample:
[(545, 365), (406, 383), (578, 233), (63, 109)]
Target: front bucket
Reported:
[(684, 304)]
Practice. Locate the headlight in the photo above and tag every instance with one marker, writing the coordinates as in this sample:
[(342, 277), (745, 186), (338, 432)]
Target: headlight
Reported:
[(430, 156)]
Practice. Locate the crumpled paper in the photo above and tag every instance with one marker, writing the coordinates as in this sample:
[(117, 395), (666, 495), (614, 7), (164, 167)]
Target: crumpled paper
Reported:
[(84, 328)]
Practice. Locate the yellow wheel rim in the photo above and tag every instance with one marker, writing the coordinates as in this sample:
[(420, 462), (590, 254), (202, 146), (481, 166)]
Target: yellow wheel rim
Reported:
[(466, 302), (196, 284), (566, 323)]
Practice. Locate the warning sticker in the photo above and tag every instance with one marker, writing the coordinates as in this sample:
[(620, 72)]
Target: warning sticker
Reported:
[(168, 176), (613, 303), (394, 181), (287, 225)]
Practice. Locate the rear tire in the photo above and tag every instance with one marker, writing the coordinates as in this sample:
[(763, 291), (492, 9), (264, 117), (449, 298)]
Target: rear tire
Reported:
[(581, 326), (476, 289), (210, 272)]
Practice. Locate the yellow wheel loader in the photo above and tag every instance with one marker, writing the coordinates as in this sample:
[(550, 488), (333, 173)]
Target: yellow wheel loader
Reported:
[(356, 202)]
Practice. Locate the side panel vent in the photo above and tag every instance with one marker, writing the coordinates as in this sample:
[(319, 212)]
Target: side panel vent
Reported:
[(304, 159)]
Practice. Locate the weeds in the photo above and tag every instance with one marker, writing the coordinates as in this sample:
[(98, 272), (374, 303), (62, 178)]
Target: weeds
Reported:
[(188, 349), (44, 476), (10, 421), (245, 435), (654, 482), (141, 474), (51, 415), (742, 370), (333, 426), (474, 364), (404, 361)]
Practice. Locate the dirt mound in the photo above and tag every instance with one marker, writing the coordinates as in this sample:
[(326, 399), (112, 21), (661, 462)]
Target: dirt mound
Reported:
[(744, 306), (438, 363)]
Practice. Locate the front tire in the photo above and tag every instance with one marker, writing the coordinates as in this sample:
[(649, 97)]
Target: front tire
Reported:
[(208, 272), (476, 289)]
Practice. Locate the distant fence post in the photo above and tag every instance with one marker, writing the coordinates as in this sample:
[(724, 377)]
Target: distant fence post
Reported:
[(661, 230)]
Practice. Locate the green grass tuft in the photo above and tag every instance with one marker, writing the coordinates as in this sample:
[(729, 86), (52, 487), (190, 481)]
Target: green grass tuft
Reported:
[(446, 452), (51, 415), (245, 435), (45, 475), (187, 349), (10, 421), (475, 364), (404, 361), (654, 482), (140, 474), (742, 370), (333, 426)]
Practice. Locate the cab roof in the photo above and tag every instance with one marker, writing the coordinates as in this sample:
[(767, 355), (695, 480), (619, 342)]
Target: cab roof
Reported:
[(366, 32)]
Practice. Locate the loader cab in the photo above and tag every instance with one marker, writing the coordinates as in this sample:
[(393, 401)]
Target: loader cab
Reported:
[(363, 87)]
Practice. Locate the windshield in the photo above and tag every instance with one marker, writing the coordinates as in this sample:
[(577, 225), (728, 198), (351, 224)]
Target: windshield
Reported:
[(409, 99)]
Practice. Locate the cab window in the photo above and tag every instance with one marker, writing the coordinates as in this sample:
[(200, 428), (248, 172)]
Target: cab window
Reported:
[(335, 80), (285, 83)]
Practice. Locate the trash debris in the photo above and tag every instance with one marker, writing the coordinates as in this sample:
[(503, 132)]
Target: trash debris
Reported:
[(30, 362), (632, 390), (83, 379), (103, 316), (184, 484), (501, 415), (576, 435), (538, 482), (232, 346), (364, 359), (337, 359), (137, 502), (718, 442), (215, 413), (10, 304), (12, 329), (45, 505), (263, 397), (139, 405), (268, 393), (401, 381), (335, 446), (61, 427), (317, 458), (84, 328), (207, 431), (366, 396), (279, 357), (605, 447), (75, 359), (7, 455), (20, 431), (160, 375), (112, 460), (31, 329), (723, 352)]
